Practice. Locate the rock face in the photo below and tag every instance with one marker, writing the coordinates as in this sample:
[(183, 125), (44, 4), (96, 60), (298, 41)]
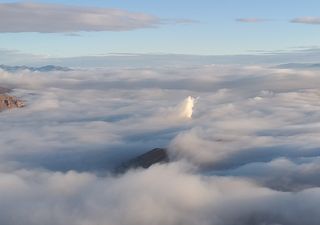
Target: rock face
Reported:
[(157, 155), (7, 101)]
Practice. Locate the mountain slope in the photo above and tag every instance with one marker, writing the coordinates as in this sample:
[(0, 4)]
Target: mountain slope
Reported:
[(157, 155)]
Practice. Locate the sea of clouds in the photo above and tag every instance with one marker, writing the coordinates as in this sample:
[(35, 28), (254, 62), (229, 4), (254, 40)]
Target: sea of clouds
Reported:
[(244, 148)]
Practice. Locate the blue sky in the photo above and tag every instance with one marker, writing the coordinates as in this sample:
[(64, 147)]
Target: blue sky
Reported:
[(214, 31)]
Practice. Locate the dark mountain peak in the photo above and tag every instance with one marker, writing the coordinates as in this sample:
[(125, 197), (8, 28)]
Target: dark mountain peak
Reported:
[(156, 155)]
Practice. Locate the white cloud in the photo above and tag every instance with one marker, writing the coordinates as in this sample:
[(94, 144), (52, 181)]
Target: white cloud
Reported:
[(249, 155), (281, 173), (55, 18), (171, 195)]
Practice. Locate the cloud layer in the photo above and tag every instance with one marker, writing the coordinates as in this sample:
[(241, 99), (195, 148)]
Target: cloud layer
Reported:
[(248, 155), (162, 195), (54, 18)]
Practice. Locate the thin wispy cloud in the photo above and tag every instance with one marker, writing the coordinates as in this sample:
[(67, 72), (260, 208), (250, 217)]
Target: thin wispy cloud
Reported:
[(251, 20), (183, 21), (306, 20), (58, 18)]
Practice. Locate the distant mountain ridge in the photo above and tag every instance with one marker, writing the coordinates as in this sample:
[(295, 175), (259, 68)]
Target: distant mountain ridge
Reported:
[(299, 66), (47, 68)]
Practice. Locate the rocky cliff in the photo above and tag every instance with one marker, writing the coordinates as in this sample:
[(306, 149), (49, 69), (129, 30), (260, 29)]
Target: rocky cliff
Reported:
[(7, 101)]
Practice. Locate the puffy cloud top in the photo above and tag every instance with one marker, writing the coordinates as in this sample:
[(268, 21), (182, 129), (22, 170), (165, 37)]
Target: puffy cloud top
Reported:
[(249, 155)]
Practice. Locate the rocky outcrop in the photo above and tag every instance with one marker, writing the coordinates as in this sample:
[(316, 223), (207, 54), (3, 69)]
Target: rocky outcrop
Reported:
[(7, 101), (157, 155)]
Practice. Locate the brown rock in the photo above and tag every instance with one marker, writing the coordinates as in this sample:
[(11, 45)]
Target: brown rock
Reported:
[(7, 101)]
